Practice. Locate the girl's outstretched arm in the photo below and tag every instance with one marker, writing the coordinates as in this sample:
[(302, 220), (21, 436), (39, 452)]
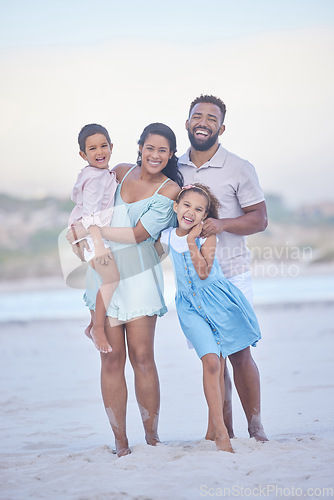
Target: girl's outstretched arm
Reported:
[(201, 258)]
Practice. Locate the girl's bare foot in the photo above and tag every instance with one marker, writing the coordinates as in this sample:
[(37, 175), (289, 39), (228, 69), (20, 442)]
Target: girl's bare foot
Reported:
[(223, 443), (122, 447), (99, 338), (211, 435)]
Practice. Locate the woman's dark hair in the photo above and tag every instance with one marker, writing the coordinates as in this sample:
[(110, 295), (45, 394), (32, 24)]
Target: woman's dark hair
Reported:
[(171, 170)]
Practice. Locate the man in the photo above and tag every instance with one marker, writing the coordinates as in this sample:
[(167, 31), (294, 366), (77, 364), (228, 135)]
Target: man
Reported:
[(243, 211)]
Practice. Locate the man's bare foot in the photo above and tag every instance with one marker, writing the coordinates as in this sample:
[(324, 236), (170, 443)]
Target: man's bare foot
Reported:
[(122, 447), (223, 443), (152, 440), (99, 338), (256, 430)]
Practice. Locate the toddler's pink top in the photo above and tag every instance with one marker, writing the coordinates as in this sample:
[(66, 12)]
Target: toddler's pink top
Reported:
[(93, 194)]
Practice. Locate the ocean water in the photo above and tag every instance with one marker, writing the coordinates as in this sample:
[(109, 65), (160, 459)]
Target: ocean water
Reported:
[(68, 302)]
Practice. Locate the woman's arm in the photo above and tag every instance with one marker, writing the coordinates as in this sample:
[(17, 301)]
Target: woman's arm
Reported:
[(201, 258), (128, 235)]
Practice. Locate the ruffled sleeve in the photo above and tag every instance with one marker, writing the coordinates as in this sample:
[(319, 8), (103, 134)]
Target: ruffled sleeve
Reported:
[(158, 216)]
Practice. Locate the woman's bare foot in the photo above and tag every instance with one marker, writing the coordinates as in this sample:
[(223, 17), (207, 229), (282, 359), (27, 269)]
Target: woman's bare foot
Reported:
[(223, 443), (152, 439), (256, 430), (122, 447), (99, 338)]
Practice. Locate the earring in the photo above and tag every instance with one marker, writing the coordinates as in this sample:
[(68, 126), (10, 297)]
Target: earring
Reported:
[(139, 159)]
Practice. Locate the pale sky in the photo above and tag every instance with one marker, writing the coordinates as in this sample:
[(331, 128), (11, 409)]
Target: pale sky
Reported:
[(125, 64)]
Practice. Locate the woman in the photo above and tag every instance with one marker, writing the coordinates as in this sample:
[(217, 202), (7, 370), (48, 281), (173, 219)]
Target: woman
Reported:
[(143, 208)]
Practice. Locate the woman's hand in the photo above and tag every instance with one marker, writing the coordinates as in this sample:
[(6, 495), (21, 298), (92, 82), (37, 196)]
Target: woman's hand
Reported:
[(76, 232), (102, 255)]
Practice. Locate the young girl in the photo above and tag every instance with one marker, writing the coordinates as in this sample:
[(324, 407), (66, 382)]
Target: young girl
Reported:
[(93, 194), (214, 314)]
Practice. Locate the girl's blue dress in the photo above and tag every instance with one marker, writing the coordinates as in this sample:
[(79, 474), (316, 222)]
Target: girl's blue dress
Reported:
[(214, 314)]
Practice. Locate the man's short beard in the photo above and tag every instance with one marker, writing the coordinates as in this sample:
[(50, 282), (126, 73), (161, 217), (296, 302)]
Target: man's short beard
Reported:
[(202, 146)]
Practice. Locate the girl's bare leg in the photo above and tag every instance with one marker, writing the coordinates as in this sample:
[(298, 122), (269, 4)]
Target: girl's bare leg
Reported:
[(225, 386), (247, 382), (212, 367), (140, 339), (113, 385), (110, 279)]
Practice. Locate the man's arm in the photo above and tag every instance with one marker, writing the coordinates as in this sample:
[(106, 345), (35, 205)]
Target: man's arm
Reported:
[(253, 221)]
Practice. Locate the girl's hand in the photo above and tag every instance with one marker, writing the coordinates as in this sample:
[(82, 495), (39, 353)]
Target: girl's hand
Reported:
[(195, 231), (76, 232)]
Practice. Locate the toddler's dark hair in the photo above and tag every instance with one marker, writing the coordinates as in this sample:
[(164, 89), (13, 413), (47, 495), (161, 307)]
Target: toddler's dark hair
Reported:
[(91, 129), (213, 203)]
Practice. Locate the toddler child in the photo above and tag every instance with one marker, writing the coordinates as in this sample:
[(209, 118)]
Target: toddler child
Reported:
[(214, 314), (93, 194)]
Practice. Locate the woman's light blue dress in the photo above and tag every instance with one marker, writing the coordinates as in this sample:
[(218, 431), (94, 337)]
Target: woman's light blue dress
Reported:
[(140, 291), (214, 314)]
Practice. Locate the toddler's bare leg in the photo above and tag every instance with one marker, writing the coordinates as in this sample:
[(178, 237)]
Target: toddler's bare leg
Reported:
[(110, 279), (90, 326)]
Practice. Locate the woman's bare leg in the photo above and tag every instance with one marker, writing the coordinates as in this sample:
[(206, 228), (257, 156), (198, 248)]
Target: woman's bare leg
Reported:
[(113, 385), (212, 367), (226, 387), (140, 339), (247, 383)]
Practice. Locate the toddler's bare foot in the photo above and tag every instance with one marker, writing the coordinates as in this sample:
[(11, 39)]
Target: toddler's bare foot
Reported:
[(122, 447), (256, 430), (88, 330), (223, 443), (99, 338)]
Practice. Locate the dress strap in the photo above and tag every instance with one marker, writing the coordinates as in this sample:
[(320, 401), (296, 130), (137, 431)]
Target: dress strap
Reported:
[(130, 170), (164, 182)]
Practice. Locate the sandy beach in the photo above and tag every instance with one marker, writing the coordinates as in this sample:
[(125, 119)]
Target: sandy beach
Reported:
[(56, 442)]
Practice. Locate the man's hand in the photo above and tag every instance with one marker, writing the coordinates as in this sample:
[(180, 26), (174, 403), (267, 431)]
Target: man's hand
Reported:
[(212, 226)]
